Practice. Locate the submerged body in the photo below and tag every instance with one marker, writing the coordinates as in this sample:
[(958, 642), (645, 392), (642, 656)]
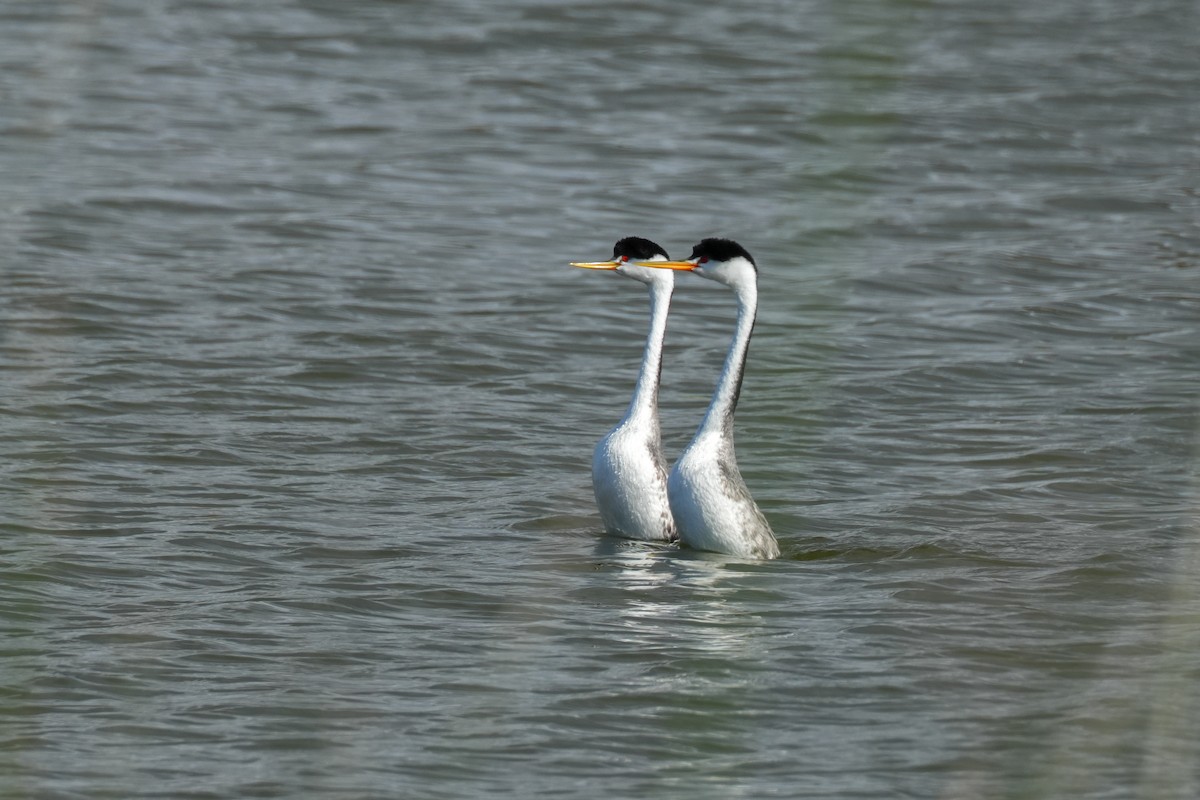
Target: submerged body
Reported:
[(712, 507), (629, 472), (629, 478)]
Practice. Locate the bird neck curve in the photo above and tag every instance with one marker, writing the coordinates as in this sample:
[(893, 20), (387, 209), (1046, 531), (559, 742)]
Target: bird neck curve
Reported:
[(644, 405), (719, 418)]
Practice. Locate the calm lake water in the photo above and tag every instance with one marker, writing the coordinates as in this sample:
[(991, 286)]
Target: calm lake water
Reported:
[(298, 398)]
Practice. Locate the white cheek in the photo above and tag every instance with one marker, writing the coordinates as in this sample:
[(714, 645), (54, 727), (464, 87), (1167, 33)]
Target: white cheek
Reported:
[(643, 274)]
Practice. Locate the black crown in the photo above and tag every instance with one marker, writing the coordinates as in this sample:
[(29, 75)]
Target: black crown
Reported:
[(721, 250), (638, 249)]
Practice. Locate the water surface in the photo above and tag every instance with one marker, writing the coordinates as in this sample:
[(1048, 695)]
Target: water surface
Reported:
[(299, 397)]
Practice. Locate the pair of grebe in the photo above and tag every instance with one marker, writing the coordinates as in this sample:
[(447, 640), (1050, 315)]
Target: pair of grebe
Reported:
[(703, 501)]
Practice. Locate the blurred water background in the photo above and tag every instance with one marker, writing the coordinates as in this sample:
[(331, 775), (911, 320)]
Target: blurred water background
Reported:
[(298, 396)]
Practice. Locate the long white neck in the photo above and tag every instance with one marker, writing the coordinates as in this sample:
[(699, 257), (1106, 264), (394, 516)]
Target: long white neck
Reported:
[(719, 418), (644, 405)]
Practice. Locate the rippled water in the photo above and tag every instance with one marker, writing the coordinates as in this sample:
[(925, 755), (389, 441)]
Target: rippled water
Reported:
[(299, 397)]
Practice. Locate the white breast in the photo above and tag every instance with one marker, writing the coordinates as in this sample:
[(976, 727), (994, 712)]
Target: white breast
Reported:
[(629, 479)]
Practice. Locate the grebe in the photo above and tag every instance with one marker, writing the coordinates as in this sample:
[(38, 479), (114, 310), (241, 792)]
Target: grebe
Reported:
[(712, 507), (629, 473)]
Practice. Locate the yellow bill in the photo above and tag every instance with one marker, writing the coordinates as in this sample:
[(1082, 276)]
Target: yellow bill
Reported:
[(596, 264)]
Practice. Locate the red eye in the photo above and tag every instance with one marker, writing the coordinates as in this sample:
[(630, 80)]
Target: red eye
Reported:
[(703, 260), (624, 259)]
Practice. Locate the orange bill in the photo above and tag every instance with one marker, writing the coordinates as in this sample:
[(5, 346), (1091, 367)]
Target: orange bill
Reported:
[(668, 264)]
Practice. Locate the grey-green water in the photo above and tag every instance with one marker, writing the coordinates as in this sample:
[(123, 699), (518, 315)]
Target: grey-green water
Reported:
[(298, 395)]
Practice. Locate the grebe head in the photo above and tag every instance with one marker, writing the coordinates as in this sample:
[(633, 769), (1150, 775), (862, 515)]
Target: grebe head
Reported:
[(628, 256)]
